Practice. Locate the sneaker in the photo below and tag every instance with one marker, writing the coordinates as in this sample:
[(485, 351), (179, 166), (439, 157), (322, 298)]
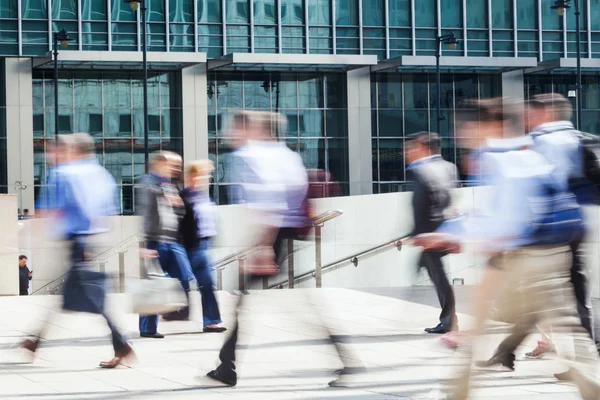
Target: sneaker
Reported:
[(541, 349)]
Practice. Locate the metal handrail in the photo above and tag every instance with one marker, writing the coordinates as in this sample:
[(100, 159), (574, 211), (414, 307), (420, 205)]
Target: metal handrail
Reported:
[(328, 215), (61, 279), (342, 262)]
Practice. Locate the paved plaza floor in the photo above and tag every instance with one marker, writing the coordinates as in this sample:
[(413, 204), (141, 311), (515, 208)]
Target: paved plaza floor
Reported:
[(284, 352)]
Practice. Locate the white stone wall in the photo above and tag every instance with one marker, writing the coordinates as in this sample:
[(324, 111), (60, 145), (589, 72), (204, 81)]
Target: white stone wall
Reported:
[(367, 221), (9, 245)]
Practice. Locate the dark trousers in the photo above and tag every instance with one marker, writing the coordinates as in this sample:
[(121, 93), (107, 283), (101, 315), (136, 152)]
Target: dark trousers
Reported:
[(525, 325), (432, 261), (174, 261), (202, 269), (24, 292), (78, 245)]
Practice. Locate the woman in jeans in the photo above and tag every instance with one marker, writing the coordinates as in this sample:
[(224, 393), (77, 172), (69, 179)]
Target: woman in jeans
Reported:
[(197, 228)]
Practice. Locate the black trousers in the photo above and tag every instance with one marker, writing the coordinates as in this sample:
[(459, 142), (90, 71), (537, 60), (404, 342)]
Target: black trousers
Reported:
[(525, 326), (432, 261)]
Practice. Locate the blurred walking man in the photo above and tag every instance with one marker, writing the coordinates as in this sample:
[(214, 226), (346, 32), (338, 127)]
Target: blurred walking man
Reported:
[(526, 229), (85, 196), (162, 210), (433, 178)]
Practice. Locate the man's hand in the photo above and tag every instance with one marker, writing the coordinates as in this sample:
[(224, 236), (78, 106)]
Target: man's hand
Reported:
[(437, 241), (148, 254), (30, 274)]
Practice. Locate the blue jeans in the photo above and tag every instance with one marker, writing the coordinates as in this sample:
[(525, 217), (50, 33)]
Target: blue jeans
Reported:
[(174, 261), (203, 271)]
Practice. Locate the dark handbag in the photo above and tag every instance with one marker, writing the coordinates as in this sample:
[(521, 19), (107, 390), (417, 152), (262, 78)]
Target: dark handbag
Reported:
[(85, 291)]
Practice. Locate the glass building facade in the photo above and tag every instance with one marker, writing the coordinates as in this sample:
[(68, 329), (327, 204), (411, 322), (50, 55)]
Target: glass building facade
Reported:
[(109, 106), (326, 126)]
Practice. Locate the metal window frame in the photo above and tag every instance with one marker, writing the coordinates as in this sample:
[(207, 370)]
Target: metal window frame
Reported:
[(333, 4), (224, 24), (79, 29), (250, 4), (490, 30), (139, 33), (386, 15), (464, 16), (279, 27), (413, 30), (167, 27), (20, 26), (196, 22), (109, 28), (360, 27), (540, 35), (50, 27), (515, 29), (306, 27), (589, 29), (564, 36)]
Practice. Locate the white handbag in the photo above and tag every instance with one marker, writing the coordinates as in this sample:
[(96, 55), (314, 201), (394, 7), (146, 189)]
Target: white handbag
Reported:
[(157, 294)]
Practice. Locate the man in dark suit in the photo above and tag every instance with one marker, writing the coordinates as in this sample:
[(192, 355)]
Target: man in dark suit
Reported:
[(432, 178)]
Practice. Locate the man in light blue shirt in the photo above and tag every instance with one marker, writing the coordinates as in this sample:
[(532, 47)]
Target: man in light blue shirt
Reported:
[(85, 196)]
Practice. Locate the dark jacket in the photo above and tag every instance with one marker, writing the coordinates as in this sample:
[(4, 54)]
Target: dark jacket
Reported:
[(431, 184), (160, 219), (188, 226)]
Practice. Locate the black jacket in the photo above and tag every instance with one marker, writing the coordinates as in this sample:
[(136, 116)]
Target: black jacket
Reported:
[(431, 184)]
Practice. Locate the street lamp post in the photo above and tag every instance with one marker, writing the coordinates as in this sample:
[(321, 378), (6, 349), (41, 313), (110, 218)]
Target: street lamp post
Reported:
[(135, 6), (561, 8), (62, 38), (451, 41)]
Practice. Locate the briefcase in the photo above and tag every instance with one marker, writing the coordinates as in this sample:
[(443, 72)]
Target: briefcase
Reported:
[(85, 290), (157, 294)]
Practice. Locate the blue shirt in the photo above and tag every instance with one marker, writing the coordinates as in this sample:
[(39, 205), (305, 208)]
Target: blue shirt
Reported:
[(517, 179), (204, 209), (84, 193)]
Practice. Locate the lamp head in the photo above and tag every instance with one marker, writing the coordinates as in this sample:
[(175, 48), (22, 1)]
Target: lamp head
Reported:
[(63, 38), (560, 6), (451, 41), (134, 4)]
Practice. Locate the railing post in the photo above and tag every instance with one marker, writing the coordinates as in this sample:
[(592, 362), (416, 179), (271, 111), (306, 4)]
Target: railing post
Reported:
[(219, 279), (241, 274), (102, 266), (318, 275), (122, 272), (290, 262), (142, 261)]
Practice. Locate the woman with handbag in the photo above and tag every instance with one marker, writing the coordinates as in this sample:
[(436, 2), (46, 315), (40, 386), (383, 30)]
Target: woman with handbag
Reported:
[(197, 228)]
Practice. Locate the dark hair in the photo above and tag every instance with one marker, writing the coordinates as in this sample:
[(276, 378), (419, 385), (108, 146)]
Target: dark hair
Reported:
[(431, 140), (22, 257)]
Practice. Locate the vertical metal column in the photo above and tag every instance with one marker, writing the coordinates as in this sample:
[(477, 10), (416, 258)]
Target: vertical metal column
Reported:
[(318, 264), (145, 67), (290, 262), (219, 279), (121, 272), (579, 84), (142, 261), (241, 274)]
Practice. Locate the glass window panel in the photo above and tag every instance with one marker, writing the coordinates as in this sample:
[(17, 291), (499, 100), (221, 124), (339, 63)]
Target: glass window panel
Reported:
[(230, 93), (64, 9), (8, 9), (591, 93), (89, 120), (38, 92), (390, 91), (117, 123), (311, 123), (237, 11), (489, 86), (415, 121), (310, 91), (49, 121), (94, 10), (118, 159), (154, 123), (265, 12), (446, 122), (287, 94), (415, 91), (257, 90), (346, 13), (156, 10), (527, 14), (137, 91), (425, 13), (451, 13), (336, 123), (34, 9), (373, 12), (477, 13), (595, 14), (550, 20), (337, 159), (117, 91), (390, 123), (391, 160), (312, 152), (88, 90), (336, 90), (292, 123), (209, 11), (38, 122), (181, 11), (399, 13), (172, 120), (319, 12), (65, 121), (465, 87), (502, 14)]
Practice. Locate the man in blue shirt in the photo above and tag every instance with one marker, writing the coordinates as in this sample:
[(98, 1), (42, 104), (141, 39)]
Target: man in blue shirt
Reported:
[(85, 194), (525, 227)]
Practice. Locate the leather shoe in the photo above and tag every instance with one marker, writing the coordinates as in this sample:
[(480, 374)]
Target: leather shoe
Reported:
[(152, 335), (506, 360), (30, 345), (229, 379), (440, 329), (120, 356)]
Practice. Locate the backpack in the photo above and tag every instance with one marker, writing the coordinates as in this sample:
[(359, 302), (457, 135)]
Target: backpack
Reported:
[(557, 215)]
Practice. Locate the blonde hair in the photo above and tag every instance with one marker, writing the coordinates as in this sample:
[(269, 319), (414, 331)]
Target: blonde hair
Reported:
[(200, 168)]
